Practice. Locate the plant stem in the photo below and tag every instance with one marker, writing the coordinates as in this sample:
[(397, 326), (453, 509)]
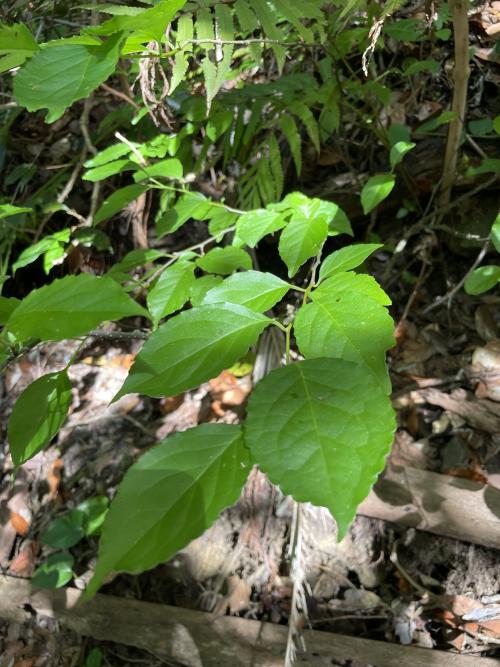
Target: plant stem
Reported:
[(459, 103)]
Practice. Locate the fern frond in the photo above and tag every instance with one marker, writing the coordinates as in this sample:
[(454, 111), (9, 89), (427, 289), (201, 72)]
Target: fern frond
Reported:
[(185, 33)]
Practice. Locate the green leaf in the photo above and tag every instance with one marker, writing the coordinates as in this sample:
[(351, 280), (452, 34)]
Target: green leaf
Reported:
[(33, 252), (224, 260), (70, 307), (375, 190), (225, 32), (94, 511), (206, 34), (252, 226), (65, 531), (17, 44), (193, 347), (417, 66), (169, 168), (94, 658), (201, 287), (147, 25), (398, 151), (347, 283), (347, 258), (170, 496), (56, 571), (221, 220), (107, 155), (289, 128), (482, 279), (133, 259), (301, 240), (107, 170), (117, 201), (192, 205), (496, 124), (7, 307), (38, 414), (253, 289), (488, 165), (321, 429), (57, 76), (302, 111), (171, 290), (88, 237), (6, 210), (348, 325), (495, 233), (185, 33)]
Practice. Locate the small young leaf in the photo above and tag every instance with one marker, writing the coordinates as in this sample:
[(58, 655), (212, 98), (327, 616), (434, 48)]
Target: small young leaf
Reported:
[(193, 347), (171, 290), (399, 150), (70, 307), (321, 429), (57, 76), (201, 287), (348, 325), (117, 201), (375, 190), (253, 289), (347, 258), (301, 240), (224, 260), (170, 496), (482, 279), (38, 414), (252, 226), (56, 571)]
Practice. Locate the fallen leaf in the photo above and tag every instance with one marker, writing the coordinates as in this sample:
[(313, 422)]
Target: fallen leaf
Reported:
[(54, 478), (23, 565), (237, 597), (19, 523)]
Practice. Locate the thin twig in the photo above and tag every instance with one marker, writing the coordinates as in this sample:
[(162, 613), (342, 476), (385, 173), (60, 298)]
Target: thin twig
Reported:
[(448, 297)]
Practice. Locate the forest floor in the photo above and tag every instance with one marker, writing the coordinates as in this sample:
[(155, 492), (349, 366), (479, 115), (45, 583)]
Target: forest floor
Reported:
[(390, 581)]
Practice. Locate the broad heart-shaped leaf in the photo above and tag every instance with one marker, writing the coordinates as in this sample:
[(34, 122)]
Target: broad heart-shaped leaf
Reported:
[(170, 496), (482, 279), (347, 258), (38, 415), (375, 190), (347, 324), (224, 260), (70, 307), (54, 572), (253, 289), (193, 347), (321, 429), (252, 226), (171, 290), (301, 240), (57, 76)]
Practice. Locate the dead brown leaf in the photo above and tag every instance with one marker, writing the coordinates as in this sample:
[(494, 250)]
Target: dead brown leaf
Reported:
[(23, 565), (237, 597), (54, 478), (19, 523)]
